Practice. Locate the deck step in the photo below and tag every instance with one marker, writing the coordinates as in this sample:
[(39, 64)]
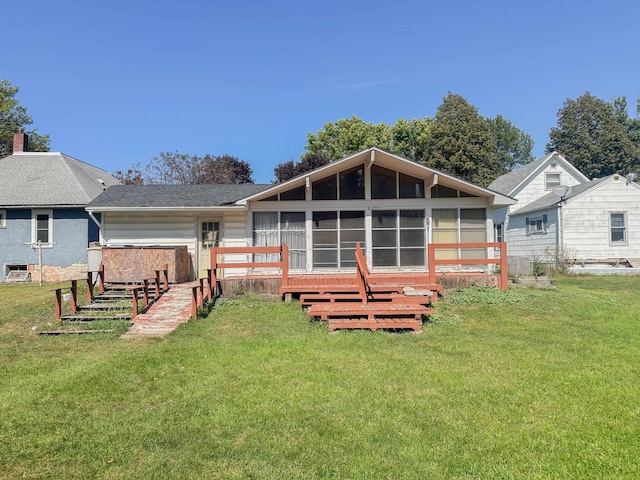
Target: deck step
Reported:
[(327, 310), (103, 307), (307, 300), (387, 323), (94, 318)]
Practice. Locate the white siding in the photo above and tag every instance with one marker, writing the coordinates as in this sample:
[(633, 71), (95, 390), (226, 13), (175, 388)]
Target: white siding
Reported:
[(144, 229), (586, 231), (535, 245), (535, 188)]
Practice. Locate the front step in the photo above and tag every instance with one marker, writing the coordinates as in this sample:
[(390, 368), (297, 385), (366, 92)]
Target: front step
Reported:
[(102, 307), (94, 318), (373, 324)]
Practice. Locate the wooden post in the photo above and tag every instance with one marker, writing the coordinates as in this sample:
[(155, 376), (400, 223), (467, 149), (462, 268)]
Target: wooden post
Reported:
[(210, 288), (134, 302), (101, 278), (165, 269), (89, 287), (157, 283), (194, 302), (74, 296), (202, 299), (284, 258), (431, 260), (504, 267), (145, 292), (58, 292)]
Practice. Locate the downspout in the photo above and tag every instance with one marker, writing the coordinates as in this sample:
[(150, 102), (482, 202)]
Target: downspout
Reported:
[(559, 235)]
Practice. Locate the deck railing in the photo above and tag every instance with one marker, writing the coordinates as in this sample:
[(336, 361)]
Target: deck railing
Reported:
[(501, 261), (282, 264)]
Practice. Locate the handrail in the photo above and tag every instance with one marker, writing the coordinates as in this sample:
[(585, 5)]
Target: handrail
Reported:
[(502, 261), (282, 264)]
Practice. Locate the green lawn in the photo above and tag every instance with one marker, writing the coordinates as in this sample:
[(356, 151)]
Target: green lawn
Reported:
[(523, 384)]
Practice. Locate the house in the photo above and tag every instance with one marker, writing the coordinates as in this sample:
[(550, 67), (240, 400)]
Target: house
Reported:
[(44, 228), (394, 207), (562, 217)]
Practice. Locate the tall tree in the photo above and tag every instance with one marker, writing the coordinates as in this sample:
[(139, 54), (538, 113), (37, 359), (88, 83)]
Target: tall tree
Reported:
[(631, 124), (590, 134), (14, 118), (512, 145), (347, 136), (133, 176), (461, 143), (288, 170), (409, 138), (174, 168)]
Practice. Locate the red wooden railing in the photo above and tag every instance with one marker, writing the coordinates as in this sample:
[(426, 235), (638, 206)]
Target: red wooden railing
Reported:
[(502, 261), (282, 264)]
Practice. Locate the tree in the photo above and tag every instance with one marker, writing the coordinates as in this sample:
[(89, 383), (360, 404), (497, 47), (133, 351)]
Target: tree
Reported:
[(631, 124), (512, 145), (224, 169), (132, 176), (288, 170), (13, 119), (174, 168), (347, 136), (590, 134), (461, 143), (409, 138)]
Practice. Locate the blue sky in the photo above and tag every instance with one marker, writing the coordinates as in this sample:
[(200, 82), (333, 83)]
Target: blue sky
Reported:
[(116, 82)]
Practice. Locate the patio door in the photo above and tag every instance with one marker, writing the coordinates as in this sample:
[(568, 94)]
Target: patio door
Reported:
[(209, 237)]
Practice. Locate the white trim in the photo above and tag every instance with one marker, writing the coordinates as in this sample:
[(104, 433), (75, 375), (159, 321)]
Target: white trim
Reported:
[(34, 228), (625, 228)]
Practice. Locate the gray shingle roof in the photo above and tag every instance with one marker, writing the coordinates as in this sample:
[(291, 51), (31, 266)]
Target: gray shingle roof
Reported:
[(173, 196), (507, 183), (48, 179), (552, 199)]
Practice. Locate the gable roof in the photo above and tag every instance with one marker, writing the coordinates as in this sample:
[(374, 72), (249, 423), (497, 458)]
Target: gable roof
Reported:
[(167, 197), (377, 156), (551, 199), (509, 182), (49, 179)]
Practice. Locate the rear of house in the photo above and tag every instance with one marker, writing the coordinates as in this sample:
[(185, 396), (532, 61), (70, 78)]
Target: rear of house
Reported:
[(392, 206)]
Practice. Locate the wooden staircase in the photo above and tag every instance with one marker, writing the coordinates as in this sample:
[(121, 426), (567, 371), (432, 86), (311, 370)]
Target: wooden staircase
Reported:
[(370, 305)]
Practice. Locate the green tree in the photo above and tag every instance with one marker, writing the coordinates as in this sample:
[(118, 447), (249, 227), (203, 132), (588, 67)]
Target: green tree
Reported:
[(348, 136), (512, 145), (590, 134), (461, 143), (14, 118), (631, 124), (174, 168), (409, 138), (288, 170)]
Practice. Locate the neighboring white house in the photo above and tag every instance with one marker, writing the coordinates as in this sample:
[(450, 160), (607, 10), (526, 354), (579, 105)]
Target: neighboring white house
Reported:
[(562, 217), (394, 207)]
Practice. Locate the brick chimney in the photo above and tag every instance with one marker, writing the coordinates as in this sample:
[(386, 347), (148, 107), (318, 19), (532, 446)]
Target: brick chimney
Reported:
[(20, 142)]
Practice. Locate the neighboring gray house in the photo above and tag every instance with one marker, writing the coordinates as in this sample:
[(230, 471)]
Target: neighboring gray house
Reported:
[(561, 216), (42, 215)]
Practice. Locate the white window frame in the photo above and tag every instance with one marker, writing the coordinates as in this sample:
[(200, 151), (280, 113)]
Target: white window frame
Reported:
[(533, 222), (3, 218), (624, 228), (547, 186), (34, 227), (498, 232)]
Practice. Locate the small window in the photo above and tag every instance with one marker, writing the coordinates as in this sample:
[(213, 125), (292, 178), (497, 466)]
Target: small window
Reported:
[(536, 225), (618, 222), (499, 232), (42, 227), (3, 218), (325, 189), (410, 187), (440, 191), (352, 183), (383, 182), (551, 180)]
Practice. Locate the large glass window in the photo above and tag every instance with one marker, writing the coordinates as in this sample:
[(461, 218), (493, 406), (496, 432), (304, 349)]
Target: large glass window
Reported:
[(410, 187), (465, 225), (352, 183), (398, 238), (383, 182), (325, 189), (294, 194), (289, 230), (335, 235)]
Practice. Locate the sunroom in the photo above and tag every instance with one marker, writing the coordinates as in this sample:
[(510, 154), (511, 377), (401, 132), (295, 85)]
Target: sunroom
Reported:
[(394, 208)]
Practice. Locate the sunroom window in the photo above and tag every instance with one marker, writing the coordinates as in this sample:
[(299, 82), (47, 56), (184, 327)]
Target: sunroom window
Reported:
[(398, 238), (335, 235)]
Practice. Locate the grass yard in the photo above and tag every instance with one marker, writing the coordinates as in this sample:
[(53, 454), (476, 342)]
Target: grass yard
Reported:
[(522, 384)]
